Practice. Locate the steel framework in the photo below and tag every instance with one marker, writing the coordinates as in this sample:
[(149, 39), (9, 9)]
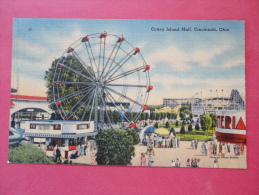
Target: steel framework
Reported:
[(94, 74)]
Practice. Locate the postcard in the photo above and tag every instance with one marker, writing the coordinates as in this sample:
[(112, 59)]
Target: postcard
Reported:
[(154, 93)]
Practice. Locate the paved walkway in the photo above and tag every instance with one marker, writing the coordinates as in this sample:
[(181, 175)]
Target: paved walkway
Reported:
[(164, 156)]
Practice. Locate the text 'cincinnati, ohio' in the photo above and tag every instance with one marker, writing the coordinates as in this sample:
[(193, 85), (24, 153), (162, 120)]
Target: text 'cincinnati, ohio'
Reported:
[(188, 29)]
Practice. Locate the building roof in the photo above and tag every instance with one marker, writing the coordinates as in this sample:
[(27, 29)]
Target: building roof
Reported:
[(27, 97)]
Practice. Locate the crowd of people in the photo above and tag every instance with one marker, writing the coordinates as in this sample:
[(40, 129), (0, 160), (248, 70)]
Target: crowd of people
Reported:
[(162, 141), (82, 149), (219, 149)]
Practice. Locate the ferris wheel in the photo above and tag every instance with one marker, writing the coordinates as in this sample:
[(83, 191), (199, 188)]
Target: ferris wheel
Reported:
[(99, 78)]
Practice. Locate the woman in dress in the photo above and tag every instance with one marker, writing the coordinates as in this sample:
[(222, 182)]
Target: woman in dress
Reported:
[(203, 149), (78, 149), (143, 160), (188, 164), (242, 148), (163, 142), (93, 156), (167, 142), (82, 150)]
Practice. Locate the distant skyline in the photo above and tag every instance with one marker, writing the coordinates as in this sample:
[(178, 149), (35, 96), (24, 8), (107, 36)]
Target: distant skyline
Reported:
[(183, 63)]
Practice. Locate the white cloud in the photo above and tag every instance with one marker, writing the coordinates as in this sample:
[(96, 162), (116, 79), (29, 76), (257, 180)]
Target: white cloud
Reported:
[(180, 60), (171, 55), (234, 63)]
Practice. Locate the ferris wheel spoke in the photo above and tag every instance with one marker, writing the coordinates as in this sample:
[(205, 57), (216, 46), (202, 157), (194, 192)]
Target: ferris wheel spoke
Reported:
[(91, 63), (72, 113), (108, 60), (74, 94), (112, 100), (124, 74), (118, 67), (93, 102), (75, 83), (76, 72), (106, 112), (86, 107), (92, 55), (82, 63), (124, 96), (126, 85), (113, 61)]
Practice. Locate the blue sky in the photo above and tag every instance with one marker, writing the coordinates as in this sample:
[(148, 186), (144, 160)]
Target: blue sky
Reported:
[(183, 63)]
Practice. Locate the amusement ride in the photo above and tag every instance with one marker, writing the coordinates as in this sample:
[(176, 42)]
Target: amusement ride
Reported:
[(98, 75)]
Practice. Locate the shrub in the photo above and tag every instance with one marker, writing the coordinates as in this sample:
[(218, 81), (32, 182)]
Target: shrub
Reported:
[(28, 153), (115, 147), (134, 136), (167, 125), (190, 128), (197, 126), (182, 131), (172, 130), (177, 123)]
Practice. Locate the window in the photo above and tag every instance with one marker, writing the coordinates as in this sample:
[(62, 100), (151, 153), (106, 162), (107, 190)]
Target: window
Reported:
[(32, 126)]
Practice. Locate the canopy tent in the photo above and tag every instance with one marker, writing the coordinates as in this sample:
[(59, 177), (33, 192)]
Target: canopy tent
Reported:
[(162, 131), (147, 129)]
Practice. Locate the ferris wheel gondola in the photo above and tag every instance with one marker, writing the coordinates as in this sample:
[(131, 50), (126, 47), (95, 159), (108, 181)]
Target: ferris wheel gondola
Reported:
[(99, 77)]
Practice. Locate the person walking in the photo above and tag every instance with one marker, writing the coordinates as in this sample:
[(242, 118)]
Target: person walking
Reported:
[(211, 148), (196, 143), (177, 163), (89, 147), (58, 154), (143, 160), (150, 160), (228, 146), (188, 164), (82, 152), (242, 148), (178, 141), (235, 149), (203, 149), (215, 163), (93, 156), (173, 163), (192, 144), (220, 149), (193, 163), (207, 147)]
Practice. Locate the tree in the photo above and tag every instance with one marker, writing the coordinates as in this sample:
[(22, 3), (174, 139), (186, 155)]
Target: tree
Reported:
[(184, 122), (174, 115), (115, 147), (156, 125), (214, 120), (169, 115), (158, 115), (66, 89), (152, 116), (116, 116), (167, 124), (197, 126), (184, 110), (190, 128), (134, 135), (182, 131), (177, 123), (206, 122), (28, 153), (173, 130)]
